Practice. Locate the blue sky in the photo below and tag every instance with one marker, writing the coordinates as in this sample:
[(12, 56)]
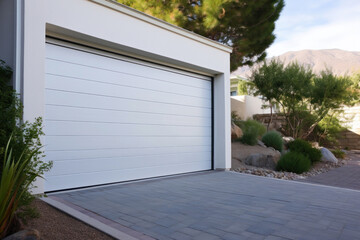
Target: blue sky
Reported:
[(317, 24)]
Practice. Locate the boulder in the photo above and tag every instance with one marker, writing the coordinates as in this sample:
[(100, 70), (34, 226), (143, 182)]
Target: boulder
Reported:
[(263, 160), (315, 145), (260, 143), (240, 152), (286, 140), (328, 156), (24, 235), (236, 132), (272, 149)]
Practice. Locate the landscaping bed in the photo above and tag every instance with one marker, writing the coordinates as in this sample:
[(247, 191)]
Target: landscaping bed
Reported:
[(238, 164), (318, 168)]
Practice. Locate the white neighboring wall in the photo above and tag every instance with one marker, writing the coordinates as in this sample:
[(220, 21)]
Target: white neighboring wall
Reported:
[(246, 106), (351, 116), (119, 29)]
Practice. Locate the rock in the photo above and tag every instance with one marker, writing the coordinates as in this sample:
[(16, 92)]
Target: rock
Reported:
[(345, 151), (315, 145), (241, 151), (286, 140), (272, 149), (262, 160), (260, 143), (236, 132), (24, 235), (328, 156)]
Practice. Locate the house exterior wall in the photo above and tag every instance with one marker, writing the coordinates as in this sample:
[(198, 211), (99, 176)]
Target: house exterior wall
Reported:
[(246, 106), (116, 28), (350, 138)]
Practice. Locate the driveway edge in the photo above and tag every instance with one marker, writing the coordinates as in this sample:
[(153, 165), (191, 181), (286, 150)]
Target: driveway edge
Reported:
[(102, 224)]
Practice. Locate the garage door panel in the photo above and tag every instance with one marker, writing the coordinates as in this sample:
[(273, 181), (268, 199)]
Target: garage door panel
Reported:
[(115, 91), (68, 128), (93, 101), (65, 113), (86, 74), (108, 119), (110, 64), (117, 163), (94, 153), (84, 142), (87, 179)]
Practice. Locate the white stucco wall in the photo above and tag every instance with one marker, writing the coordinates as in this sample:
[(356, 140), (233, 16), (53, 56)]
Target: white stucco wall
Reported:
[(246, 106), (116, 28)]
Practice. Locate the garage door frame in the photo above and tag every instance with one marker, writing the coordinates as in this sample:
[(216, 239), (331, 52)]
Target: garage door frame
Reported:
[(98, 50)]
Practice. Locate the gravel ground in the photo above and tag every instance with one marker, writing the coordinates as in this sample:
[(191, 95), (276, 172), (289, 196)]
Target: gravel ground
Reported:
[(54, 224)]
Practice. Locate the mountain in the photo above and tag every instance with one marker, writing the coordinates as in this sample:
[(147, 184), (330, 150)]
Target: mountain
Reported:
[(340, 62)]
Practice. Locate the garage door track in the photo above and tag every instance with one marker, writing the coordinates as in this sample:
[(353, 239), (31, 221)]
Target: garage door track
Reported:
[(224, 205)]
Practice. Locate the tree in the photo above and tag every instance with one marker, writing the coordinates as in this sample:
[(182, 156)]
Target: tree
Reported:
[(305, 99), (245, 25)]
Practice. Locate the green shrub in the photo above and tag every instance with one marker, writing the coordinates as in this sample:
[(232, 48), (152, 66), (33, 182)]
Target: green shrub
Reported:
[(252, 130), (235, 118), (305, 148), (293, 162), (25, 139), (338, 153), (250, 136), (314, 155), (273, 139)]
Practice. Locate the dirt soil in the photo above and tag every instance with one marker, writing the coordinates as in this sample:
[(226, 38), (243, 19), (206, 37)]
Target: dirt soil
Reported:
[(54, 224)]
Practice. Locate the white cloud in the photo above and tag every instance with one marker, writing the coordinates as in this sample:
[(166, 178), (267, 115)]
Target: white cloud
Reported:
[(326, 28)]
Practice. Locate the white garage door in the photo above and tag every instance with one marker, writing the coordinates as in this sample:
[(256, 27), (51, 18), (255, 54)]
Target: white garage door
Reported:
[(110, 119)]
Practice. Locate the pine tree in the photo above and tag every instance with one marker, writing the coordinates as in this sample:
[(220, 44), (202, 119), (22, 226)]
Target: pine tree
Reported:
[(245, 25)]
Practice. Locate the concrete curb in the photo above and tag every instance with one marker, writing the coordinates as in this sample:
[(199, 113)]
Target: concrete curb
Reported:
[(80, 215)]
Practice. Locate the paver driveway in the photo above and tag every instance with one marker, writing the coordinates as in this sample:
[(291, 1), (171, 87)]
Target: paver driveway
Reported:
[(226, 205), (347, 176)]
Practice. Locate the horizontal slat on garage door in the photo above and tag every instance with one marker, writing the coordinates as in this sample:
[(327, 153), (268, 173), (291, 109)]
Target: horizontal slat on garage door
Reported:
[(96, 115), (56, 98), (110, 120), (92, 178), (113, 78), (62, 155), (89, 142), (67, 84)]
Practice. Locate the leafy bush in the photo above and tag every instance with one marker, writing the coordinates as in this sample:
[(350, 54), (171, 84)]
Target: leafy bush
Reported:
[(235, 118), (252, 130), (273, 139), (329, 129), (338, 153), (293, 162), (25, 140), (250, 137), (305, 148)]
